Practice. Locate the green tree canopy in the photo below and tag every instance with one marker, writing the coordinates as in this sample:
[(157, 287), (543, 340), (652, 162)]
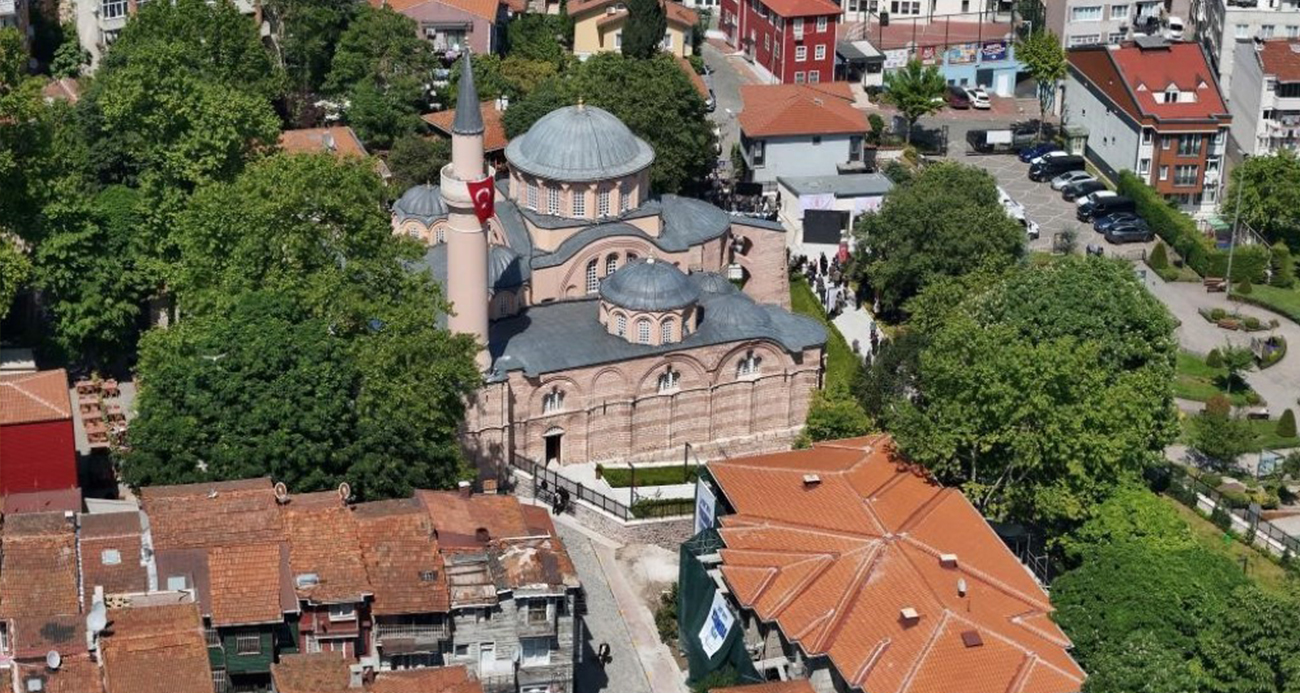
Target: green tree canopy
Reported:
[(916, 90), (15, 268), (643, 32), (835, 414), (1220, 435), (381, 65), (945, 223), (1132, 513), (304, 34), (550, 95), (1269, 191), (1044, 57), (540, 37), (415, 160)]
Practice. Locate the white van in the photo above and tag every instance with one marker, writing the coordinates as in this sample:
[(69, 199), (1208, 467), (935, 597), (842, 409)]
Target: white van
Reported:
[(1174, 31)]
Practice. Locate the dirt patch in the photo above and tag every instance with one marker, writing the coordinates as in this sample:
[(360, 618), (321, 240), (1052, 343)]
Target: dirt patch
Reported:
[(650, 569)]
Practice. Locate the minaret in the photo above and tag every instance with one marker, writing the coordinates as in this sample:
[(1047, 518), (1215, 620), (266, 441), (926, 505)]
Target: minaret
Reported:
[(467, 245)]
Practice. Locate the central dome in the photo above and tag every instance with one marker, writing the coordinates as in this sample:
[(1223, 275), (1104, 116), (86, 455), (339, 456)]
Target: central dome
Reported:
[(579, 143), (649, 285)]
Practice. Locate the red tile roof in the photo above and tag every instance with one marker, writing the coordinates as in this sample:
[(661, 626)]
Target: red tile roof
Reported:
[(486, 9), (1281, 58), (340, 140), (775, 110), (62, 89), (38, 585), (432, 680), (222, 513), (458, 519), (323, 541), (61, 500), (111, 549), (803, 8), (835, 562), (245, 584), (320, 672), (494, 132), (678, 13), (402, 561), (76, 674), (156, 649), (1132, 77), (34, 397)]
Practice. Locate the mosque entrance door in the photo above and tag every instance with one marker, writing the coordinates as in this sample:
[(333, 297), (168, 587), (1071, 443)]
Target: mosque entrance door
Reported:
[(553, 438)]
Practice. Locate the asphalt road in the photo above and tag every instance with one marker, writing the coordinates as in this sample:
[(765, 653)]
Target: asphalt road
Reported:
[(727, 78)]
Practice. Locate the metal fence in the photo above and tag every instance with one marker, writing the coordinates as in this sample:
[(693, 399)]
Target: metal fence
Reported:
[(1246, 522), (547, 484)]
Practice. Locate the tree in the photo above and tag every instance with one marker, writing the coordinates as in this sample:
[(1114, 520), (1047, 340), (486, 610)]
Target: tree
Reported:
[(1252, 647), (382, 66), (1131, 514), (890, 374), (643, 32), (1159, 257), (69, 57), (15, 269), (524, 76), (1237, 360), (1041, 53), (540, 37), (1220, 436), (916, 91), (415, 160), (304, 34), (1281, 266), (1286, 424), (835, 414), (1269, 191), (548, 96), (914, 239)]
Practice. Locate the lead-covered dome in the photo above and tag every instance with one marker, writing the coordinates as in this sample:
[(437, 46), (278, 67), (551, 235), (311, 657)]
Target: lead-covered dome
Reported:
[(579, 143), (736, 311), (649, 285), (423, 202)]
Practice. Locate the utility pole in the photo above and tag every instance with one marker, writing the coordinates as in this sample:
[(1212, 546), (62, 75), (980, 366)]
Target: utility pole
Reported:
[(1232, 246)]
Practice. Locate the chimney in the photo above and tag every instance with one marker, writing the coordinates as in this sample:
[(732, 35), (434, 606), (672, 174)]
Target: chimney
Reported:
[(811, 480), (909, 616), (948, 560), (482, 535), (465, 489), (505, 103), (490, 486)]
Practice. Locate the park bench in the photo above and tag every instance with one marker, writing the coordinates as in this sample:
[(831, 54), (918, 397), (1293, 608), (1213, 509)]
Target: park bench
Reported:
[(1213, 284)]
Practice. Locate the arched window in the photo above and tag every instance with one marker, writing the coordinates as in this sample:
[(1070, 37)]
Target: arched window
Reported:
[(631, 257), (553, 401), (553, 200), (750, 365), (532, 194), (611, 264), (593, 281), (643, 331), (666, 331), (669, 380), (442, 235), (624, 197), (602, 202), (580, 202), (621, 323)]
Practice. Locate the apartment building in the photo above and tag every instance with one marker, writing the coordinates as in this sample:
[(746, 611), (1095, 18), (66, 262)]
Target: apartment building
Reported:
[(1088, 22), (788, 41), (1265, 98), (1222, 24), (1154, 108)]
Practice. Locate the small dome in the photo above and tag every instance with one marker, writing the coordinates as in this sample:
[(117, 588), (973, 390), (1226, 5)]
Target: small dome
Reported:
[(505, 268), (649, 285), (579, 143), (420, 202), (735, 310), (713, 283)]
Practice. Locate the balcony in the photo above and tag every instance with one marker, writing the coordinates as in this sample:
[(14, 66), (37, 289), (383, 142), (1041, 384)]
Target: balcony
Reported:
[(402, 638)]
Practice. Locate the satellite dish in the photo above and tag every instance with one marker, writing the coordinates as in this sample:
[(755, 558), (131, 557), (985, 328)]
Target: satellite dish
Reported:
[(53, 660), (281, 492), (97, 619), (345, 491)]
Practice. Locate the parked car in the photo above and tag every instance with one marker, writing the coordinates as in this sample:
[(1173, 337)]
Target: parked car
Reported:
[(1031, 228), (956, 97), (1105, 206), (1093, 197), (1074, 191), (1100, 224), (1054, 166), (1069, 177), (978, 98), (1047, 155), (1174, 29), (1034, 151), (1131, 231)]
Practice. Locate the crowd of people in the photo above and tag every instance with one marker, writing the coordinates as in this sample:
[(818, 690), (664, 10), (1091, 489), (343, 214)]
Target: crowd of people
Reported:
[(828, 278)]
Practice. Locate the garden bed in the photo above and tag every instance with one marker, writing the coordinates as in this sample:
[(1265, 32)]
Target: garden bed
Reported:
[(1231, 320), (1195, 380), (668, 475), (1273, 349)]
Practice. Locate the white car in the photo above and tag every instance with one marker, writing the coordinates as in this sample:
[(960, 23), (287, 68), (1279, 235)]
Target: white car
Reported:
[(1059, 182), (1175, 30), (1045, 157), (978, 98), (1031, 228), (1093, 197)]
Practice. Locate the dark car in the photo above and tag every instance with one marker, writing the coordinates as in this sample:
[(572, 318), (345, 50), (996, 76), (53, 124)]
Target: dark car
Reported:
[(1037, 150), (1055, 166), (1132, 231), (1104, 207), (1100, 224), (1074, 191), (957, 97)]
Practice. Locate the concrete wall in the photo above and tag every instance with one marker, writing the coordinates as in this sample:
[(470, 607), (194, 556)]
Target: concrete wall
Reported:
[(798, 156), (1244, 100), (1113, 139)]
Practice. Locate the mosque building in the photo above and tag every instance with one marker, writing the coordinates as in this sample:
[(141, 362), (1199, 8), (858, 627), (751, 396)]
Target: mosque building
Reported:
[(616, 325)]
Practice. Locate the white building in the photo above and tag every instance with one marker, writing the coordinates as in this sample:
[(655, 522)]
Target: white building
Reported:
[(1224, 23), (1087, 22), (800, 130), (1265, 98), (818, 209)]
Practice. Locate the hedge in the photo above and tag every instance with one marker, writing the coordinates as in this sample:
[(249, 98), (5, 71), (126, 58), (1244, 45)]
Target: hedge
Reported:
[(1180, 232)]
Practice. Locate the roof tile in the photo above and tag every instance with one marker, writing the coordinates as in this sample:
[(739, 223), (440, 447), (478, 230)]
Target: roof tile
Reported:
[(775, 110), (323, 540), (111, 555), (213, 514), (402, 561), (146, 641), (38, 584), (1131, 77), (245, 584), (494, 131), (339, 139), (1281, 58), (34, 397)]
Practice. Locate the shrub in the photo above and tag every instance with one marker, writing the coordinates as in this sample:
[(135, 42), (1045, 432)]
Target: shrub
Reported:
[(1286, 424), (1220, 518), (877, 127), (666, 615), (1235, 499), (1251, 322), (1218, 405), (1244, 288), (1282, 265), (1217, 314), (1211, 480), (1253, 398), (1159, 257)]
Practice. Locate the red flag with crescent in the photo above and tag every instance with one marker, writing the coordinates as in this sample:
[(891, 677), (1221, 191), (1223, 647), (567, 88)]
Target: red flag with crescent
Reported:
[(483, 197)]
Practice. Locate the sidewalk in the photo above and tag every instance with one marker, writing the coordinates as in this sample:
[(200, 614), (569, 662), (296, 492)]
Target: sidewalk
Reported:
[(585, 474), (856, 324)]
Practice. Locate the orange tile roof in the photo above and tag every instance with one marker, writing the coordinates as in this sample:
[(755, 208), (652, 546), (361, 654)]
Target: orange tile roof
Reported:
[(800, 686), (76, 674), (458, 519), (58, 500), (245, 584), (111, 548), (402, 561), (803, 8), (835, 562), (494, 132), (34, 397), (62, 89), (1281, 58), (220, 513), (696, 80), (156, 649), (775, 110), (677, 13), (339, 139), (323, 540), (320, 672), (486, 9), (432, 680), (38, 585)]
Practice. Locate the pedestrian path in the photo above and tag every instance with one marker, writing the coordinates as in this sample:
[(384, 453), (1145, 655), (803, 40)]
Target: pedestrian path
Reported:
[(856, 324)]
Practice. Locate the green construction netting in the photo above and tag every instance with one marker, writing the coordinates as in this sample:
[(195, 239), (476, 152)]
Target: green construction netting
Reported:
[(695, 591)]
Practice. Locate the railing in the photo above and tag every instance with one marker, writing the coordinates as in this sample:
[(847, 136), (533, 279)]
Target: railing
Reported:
[(418, 631), (1246, 522), (547, 485)]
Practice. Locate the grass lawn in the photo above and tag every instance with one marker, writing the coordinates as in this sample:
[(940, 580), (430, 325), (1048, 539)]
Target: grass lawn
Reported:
[(1259, 567), (1196, 381), (841, 364), (1284, 301), (1266, 437), (621, 477)]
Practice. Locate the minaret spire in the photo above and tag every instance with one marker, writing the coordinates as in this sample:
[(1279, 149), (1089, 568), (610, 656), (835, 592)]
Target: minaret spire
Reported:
[(469, 121)]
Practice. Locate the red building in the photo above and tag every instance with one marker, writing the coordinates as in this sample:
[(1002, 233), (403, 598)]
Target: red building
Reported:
[(793, 40), (37, 448)]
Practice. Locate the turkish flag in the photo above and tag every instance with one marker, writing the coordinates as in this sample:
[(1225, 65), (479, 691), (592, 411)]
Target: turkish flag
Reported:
[(484, 197)]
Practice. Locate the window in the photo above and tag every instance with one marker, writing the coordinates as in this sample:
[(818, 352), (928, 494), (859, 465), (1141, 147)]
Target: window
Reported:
[(1170, 95), (1147, 135), (4, 638), (798, 27), (814, 76), (343, 612), (821, 24), (618, 40), (1292, 31), (602, 202), (668, 380), (1189, 145), (1144, 168), (461, 651), (621, 324), (1116, 37), (1266, 31), (758, 151), (1243, 31), (532, 194), (767, 42), (799, 78), (1186, 174), (643, 331), (625, 192), (553, 401), (535, 651), (248, 644), (1218, 137), (800, 53), (176, 583), (855, 148), (749, 365), (611, 264), (553, 199), (110, 557), (1119, 12), (1167, 142), (668, 40), (820, 52), (112, 9), (593, 280), (579, 203), (816, 140), (1085, 40), (1164, 173), (1091, 13), (536, 612), (666, 331), (442, 235)]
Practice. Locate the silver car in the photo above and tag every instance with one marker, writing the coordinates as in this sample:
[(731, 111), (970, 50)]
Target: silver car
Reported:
[(1070, 177)]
